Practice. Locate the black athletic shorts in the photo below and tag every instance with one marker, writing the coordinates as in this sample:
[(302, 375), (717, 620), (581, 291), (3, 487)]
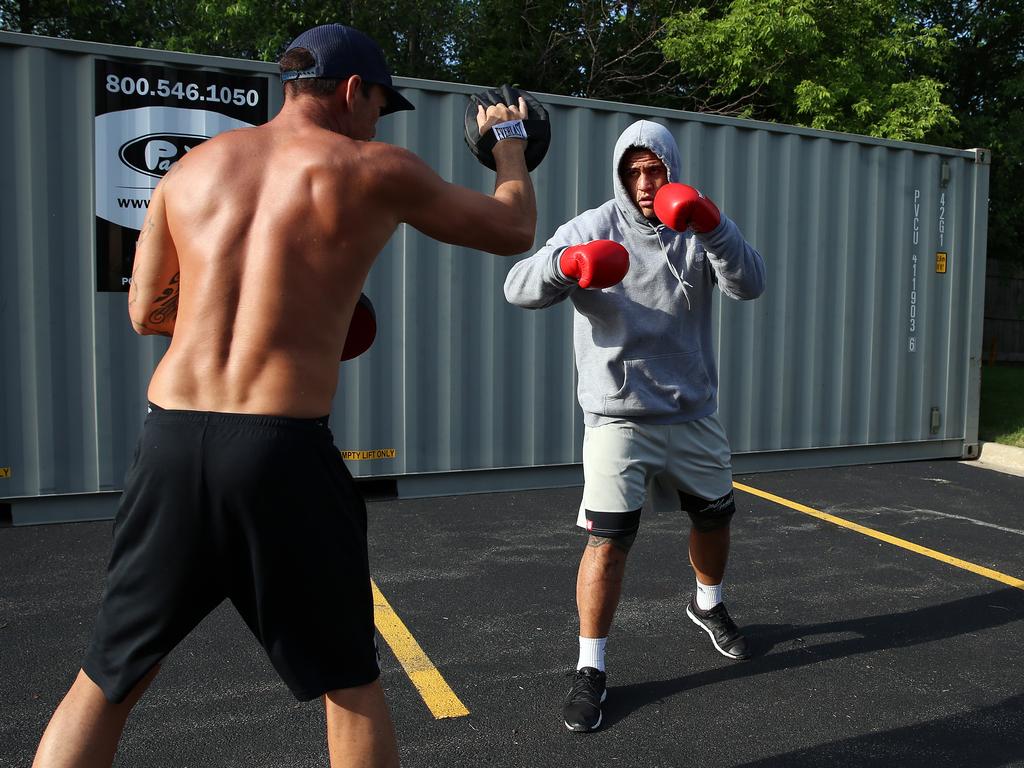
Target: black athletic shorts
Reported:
[(257, 509)]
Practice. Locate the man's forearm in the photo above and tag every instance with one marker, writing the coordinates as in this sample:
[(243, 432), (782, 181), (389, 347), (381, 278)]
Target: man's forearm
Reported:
[(155, 316), (513, 185)]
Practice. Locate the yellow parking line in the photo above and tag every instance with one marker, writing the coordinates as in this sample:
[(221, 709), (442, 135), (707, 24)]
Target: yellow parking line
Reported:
[(981, 570), (437, 695)]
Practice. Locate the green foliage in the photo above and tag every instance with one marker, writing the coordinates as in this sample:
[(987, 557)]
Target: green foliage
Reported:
[(948, 72), (594, 48), (856, 66), (519, 42), (597, 48), (418, 36), (112, 22), (415, 34), (985, 73)]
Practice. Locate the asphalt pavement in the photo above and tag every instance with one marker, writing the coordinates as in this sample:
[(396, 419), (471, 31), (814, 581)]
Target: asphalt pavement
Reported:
[(887, 632)]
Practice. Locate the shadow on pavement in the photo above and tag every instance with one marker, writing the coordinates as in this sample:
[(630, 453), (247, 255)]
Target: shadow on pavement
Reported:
[(988, 737), (872, 633)]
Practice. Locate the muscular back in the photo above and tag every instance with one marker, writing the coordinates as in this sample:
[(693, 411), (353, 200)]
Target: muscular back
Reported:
[(275, 231), (257, 243)]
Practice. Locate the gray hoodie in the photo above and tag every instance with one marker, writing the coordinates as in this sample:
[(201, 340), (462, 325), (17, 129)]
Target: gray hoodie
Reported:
[(643, 347)]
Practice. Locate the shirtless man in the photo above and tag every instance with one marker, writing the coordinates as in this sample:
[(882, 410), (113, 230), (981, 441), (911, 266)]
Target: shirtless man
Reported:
[(252, 257)]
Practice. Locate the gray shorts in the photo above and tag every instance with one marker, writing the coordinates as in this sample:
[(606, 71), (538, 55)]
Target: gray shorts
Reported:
[(665, 467)]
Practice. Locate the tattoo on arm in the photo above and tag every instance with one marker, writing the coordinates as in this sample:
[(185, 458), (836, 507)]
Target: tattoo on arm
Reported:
[(147, 227), (621, 543), (149, 223), (131, 293), (133, 289), (166, 304)]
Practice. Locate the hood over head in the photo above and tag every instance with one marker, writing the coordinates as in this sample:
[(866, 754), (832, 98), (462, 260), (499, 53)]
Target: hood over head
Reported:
[(645, 135)]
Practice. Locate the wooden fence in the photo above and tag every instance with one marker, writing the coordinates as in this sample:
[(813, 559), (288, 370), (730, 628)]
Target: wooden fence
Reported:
[(1004, 313)]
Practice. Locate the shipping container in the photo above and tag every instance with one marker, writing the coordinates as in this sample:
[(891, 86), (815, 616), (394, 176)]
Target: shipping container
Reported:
[(865, 347)]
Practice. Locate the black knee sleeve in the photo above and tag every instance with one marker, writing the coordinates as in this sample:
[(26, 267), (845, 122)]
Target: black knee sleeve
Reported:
[(611, 525), (708, 515)]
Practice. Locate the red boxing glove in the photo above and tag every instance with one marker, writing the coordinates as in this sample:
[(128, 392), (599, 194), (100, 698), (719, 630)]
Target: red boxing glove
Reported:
[(681, 207), (597, 264), (362, 329)]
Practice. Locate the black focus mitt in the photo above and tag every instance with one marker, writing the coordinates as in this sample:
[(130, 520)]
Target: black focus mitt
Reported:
[(538, 129)]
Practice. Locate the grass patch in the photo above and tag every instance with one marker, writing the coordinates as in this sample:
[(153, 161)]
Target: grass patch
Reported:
[(1002, 405)]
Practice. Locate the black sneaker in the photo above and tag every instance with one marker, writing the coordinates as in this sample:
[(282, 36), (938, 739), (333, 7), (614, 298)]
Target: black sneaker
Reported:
[(726, 636), (582, 710)]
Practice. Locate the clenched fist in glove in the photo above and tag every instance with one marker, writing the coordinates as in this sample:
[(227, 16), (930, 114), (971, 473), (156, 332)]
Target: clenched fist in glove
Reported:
[(597, 264), (681, 207)]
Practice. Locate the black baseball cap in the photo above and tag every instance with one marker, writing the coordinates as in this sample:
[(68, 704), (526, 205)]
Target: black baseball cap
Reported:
[(339, 53)]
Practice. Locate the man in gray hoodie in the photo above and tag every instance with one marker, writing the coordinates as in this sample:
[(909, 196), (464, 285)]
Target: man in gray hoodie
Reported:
[(640, 270)]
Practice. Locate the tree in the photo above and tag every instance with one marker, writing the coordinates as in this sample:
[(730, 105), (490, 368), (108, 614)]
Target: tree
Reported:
[(624, 62), (986, 77), (119, 21), (593, 48), (418, 36), (949, 72), (860, 66)]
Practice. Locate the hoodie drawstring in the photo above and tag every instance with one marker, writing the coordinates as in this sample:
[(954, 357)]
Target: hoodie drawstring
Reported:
[(672, 269)]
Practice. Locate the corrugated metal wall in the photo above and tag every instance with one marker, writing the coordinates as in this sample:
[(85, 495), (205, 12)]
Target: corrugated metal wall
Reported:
[(819, 369)]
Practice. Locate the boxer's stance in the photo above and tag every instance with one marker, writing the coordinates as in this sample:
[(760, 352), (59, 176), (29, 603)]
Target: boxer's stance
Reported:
[(640, 271), (252, 257)]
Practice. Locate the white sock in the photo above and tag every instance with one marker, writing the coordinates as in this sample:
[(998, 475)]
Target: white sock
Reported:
[(708, 596), (592, 652)]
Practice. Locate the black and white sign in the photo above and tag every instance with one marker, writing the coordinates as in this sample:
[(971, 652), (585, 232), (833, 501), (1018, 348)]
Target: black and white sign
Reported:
[(148, 117)]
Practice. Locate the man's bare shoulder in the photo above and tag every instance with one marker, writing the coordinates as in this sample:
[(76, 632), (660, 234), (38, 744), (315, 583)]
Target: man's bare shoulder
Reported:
[(389, 157), (249, 153), (394, 170), (236, 137), (223, 148)]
